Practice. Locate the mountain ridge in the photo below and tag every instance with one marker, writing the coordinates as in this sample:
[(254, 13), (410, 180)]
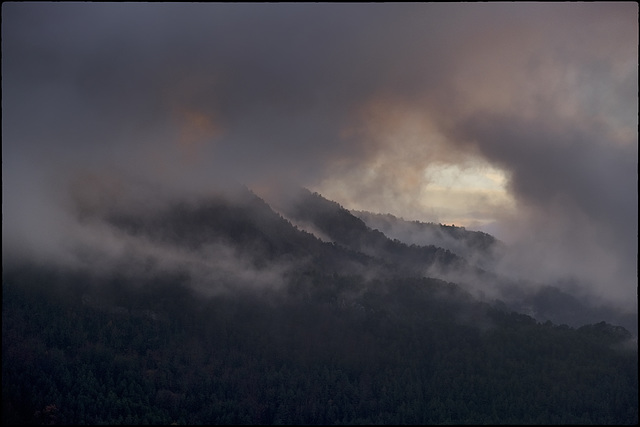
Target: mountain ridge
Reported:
[(243, 234), (222, 311)]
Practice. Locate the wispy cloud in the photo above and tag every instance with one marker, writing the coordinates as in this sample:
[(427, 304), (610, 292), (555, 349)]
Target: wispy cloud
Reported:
[(358, 100)]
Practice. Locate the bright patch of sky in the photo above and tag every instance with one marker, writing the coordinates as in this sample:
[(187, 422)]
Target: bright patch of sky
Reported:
[(456, 177), (468, 196)]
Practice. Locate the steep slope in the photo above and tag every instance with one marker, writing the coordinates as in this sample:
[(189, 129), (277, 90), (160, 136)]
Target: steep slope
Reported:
[(344, 228), (226, 231)]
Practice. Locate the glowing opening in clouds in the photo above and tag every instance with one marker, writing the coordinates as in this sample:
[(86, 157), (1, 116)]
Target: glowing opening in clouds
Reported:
[(469, 195), (412, 169), (457, 177)]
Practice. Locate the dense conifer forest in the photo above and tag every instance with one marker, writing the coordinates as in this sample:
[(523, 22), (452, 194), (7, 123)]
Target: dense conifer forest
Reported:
[(329, 345)]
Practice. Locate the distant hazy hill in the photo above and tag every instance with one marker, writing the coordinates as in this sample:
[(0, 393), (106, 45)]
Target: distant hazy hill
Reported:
[(542, 301), (475, 246)]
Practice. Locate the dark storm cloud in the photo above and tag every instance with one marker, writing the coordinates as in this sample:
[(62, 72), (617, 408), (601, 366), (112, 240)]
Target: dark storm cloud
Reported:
[(116, 87), (578, 195), (281, 81), (185, 95), (560, 162)]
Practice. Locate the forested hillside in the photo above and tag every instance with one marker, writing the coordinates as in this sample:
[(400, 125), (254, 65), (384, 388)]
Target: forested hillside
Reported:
[(223, 312), (451, 253)]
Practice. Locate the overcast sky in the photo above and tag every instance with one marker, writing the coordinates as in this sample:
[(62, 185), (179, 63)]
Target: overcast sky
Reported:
[(520, 119)]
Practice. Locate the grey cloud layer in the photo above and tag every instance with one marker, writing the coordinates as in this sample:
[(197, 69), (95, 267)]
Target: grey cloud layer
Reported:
[(183, 94)]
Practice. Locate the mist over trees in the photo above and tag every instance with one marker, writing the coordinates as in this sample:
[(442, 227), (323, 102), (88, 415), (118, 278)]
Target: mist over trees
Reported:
[(224, 310), (161, 266)]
